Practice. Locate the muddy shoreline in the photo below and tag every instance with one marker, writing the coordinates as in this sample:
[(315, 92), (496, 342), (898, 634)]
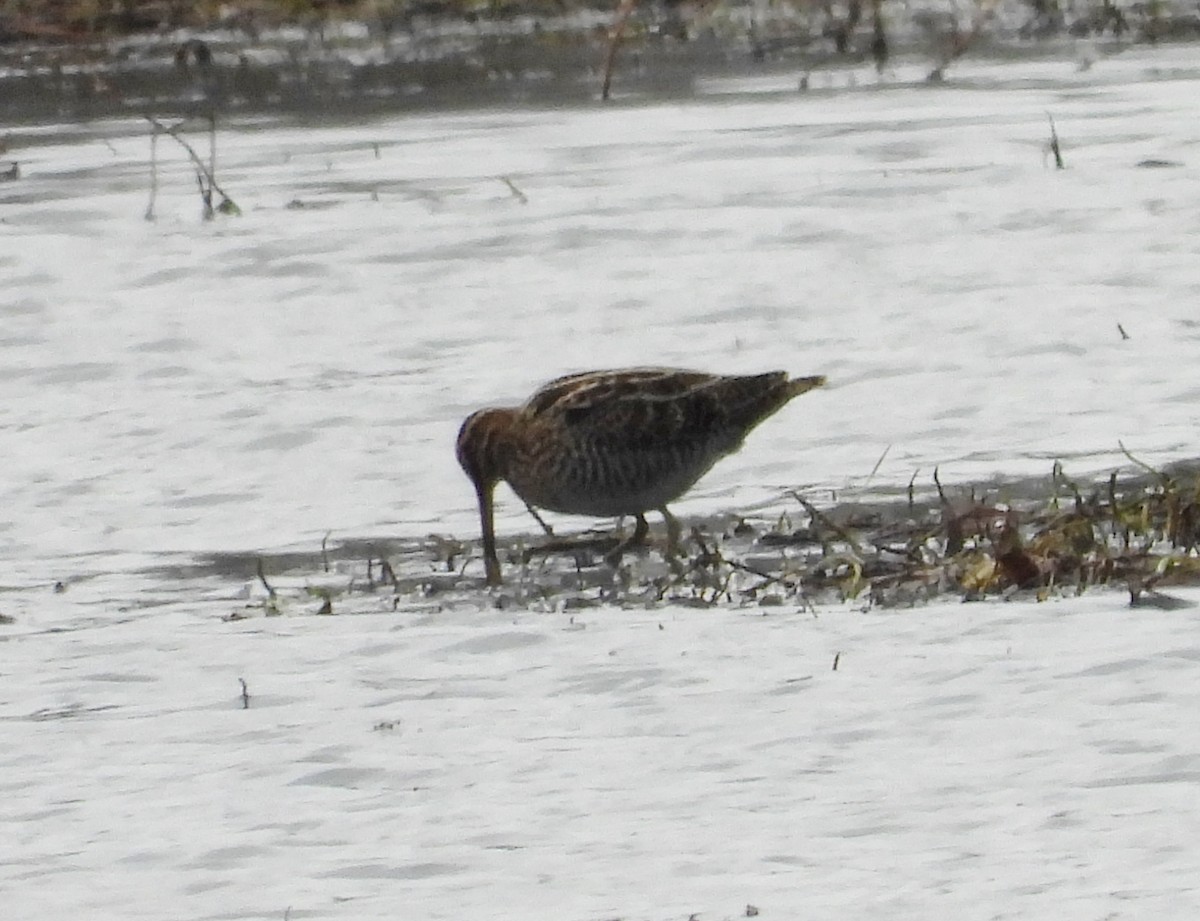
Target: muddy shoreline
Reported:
[(438, 62)]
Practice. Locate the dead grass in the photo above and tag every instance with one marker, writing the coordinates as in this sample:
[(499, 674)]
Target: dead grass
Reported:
[(1136, 532)]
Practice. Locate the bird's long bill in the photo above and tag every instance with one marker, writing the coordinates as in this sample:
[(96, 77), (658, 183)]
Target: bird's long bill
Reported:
[(490, 561)]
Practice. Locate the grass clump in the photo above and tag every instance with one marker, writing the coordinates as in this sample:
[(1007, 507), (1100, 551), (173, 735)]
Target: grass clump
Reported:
[(1137, 532)]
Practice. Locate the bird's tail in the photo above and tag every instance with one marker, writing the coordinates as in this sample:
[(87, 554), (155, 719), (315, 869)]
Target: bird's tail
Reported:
[(799, 385)]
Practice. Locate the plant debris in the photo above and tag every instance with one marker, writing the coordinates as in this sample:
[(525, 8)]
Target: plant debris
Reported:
[(1040, 538)]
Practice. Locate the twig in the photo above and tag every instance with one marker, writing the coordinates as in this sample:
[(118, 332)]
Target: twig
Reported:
[(1054, 147), (767, 578), (1114, 510), (1124, 335), (263, 579), (624, 11), (833, 526), (325, 551), (1157, 474), (1059, 477), (173, 131), (879, 43), (204, 174), (878, 464), (245, 694), (153, 172), (941, 492), (387, 574), (205, 196), (212, 146), (517, 193)]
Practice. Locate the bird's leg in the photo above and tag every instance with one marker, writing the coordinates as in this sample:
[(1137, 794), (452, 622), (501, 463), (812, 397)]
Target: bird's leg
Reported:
[(539, 519), (636, 539), (674, 533)]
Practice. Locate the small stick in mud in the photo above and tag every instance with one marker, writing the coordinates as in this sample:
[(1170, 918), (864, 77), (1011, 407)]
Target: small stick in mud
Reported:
[(941, 492), (879, 43), (325, 551), (245, 694), (828, 524), (1054, 146), (767, 578), (263, 579), (205, 172), (878, 464), (387, 574), (212, 143), (624, 11), (1138, 461), (517, 193), (1124, 335), (153, 172)]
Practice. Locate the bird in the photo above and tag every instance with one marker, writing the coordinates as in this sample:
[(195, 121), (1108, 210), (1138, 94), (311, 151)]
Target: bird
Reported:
[(615, 443)]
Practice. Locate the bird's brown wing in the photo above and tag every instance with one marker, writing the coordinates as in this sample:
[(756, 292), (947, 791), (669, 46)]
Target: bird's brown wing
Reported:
[(659, 407), (582, 393)]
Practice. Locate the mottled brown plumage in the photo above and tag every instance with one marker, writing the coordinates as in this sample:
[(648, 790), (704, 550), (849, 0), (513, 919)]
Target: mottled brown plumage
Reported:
[(614, 443)]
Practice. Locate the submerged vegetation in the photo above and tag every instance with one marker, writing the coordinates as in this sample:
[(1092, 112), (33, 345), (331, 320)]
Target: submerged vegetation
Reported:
[(1040, 538)]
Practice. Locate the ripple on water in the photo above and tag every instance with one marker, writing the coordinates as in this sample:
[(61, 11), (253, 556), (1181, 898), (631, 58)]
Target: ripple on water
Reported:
[(225, 858), (208, 500), (164, 372), (337, 777), (79, 372), (17, 341), (396, 871), (281, 441), (494, 642), (26, 306), (165, 276)]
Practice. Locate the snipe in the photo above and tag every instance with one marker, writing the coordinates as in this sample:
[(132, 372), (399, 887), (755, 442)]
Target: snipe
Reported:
[(615, 443)]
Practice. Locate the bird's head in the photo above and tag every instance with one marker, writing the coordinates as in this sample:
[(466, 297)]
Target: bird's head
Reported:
[(483, 446), (484, 450)]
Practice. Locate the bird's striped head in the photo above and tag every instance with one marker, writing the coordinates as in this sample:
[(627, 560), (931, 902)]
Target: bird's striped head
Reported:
[(484, 451), (484, 445)]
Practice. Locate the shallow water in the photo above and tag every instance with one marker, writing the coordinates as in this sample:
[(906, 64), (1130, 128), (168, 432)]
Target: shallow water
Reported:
[(176, 389), (255, 382)]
